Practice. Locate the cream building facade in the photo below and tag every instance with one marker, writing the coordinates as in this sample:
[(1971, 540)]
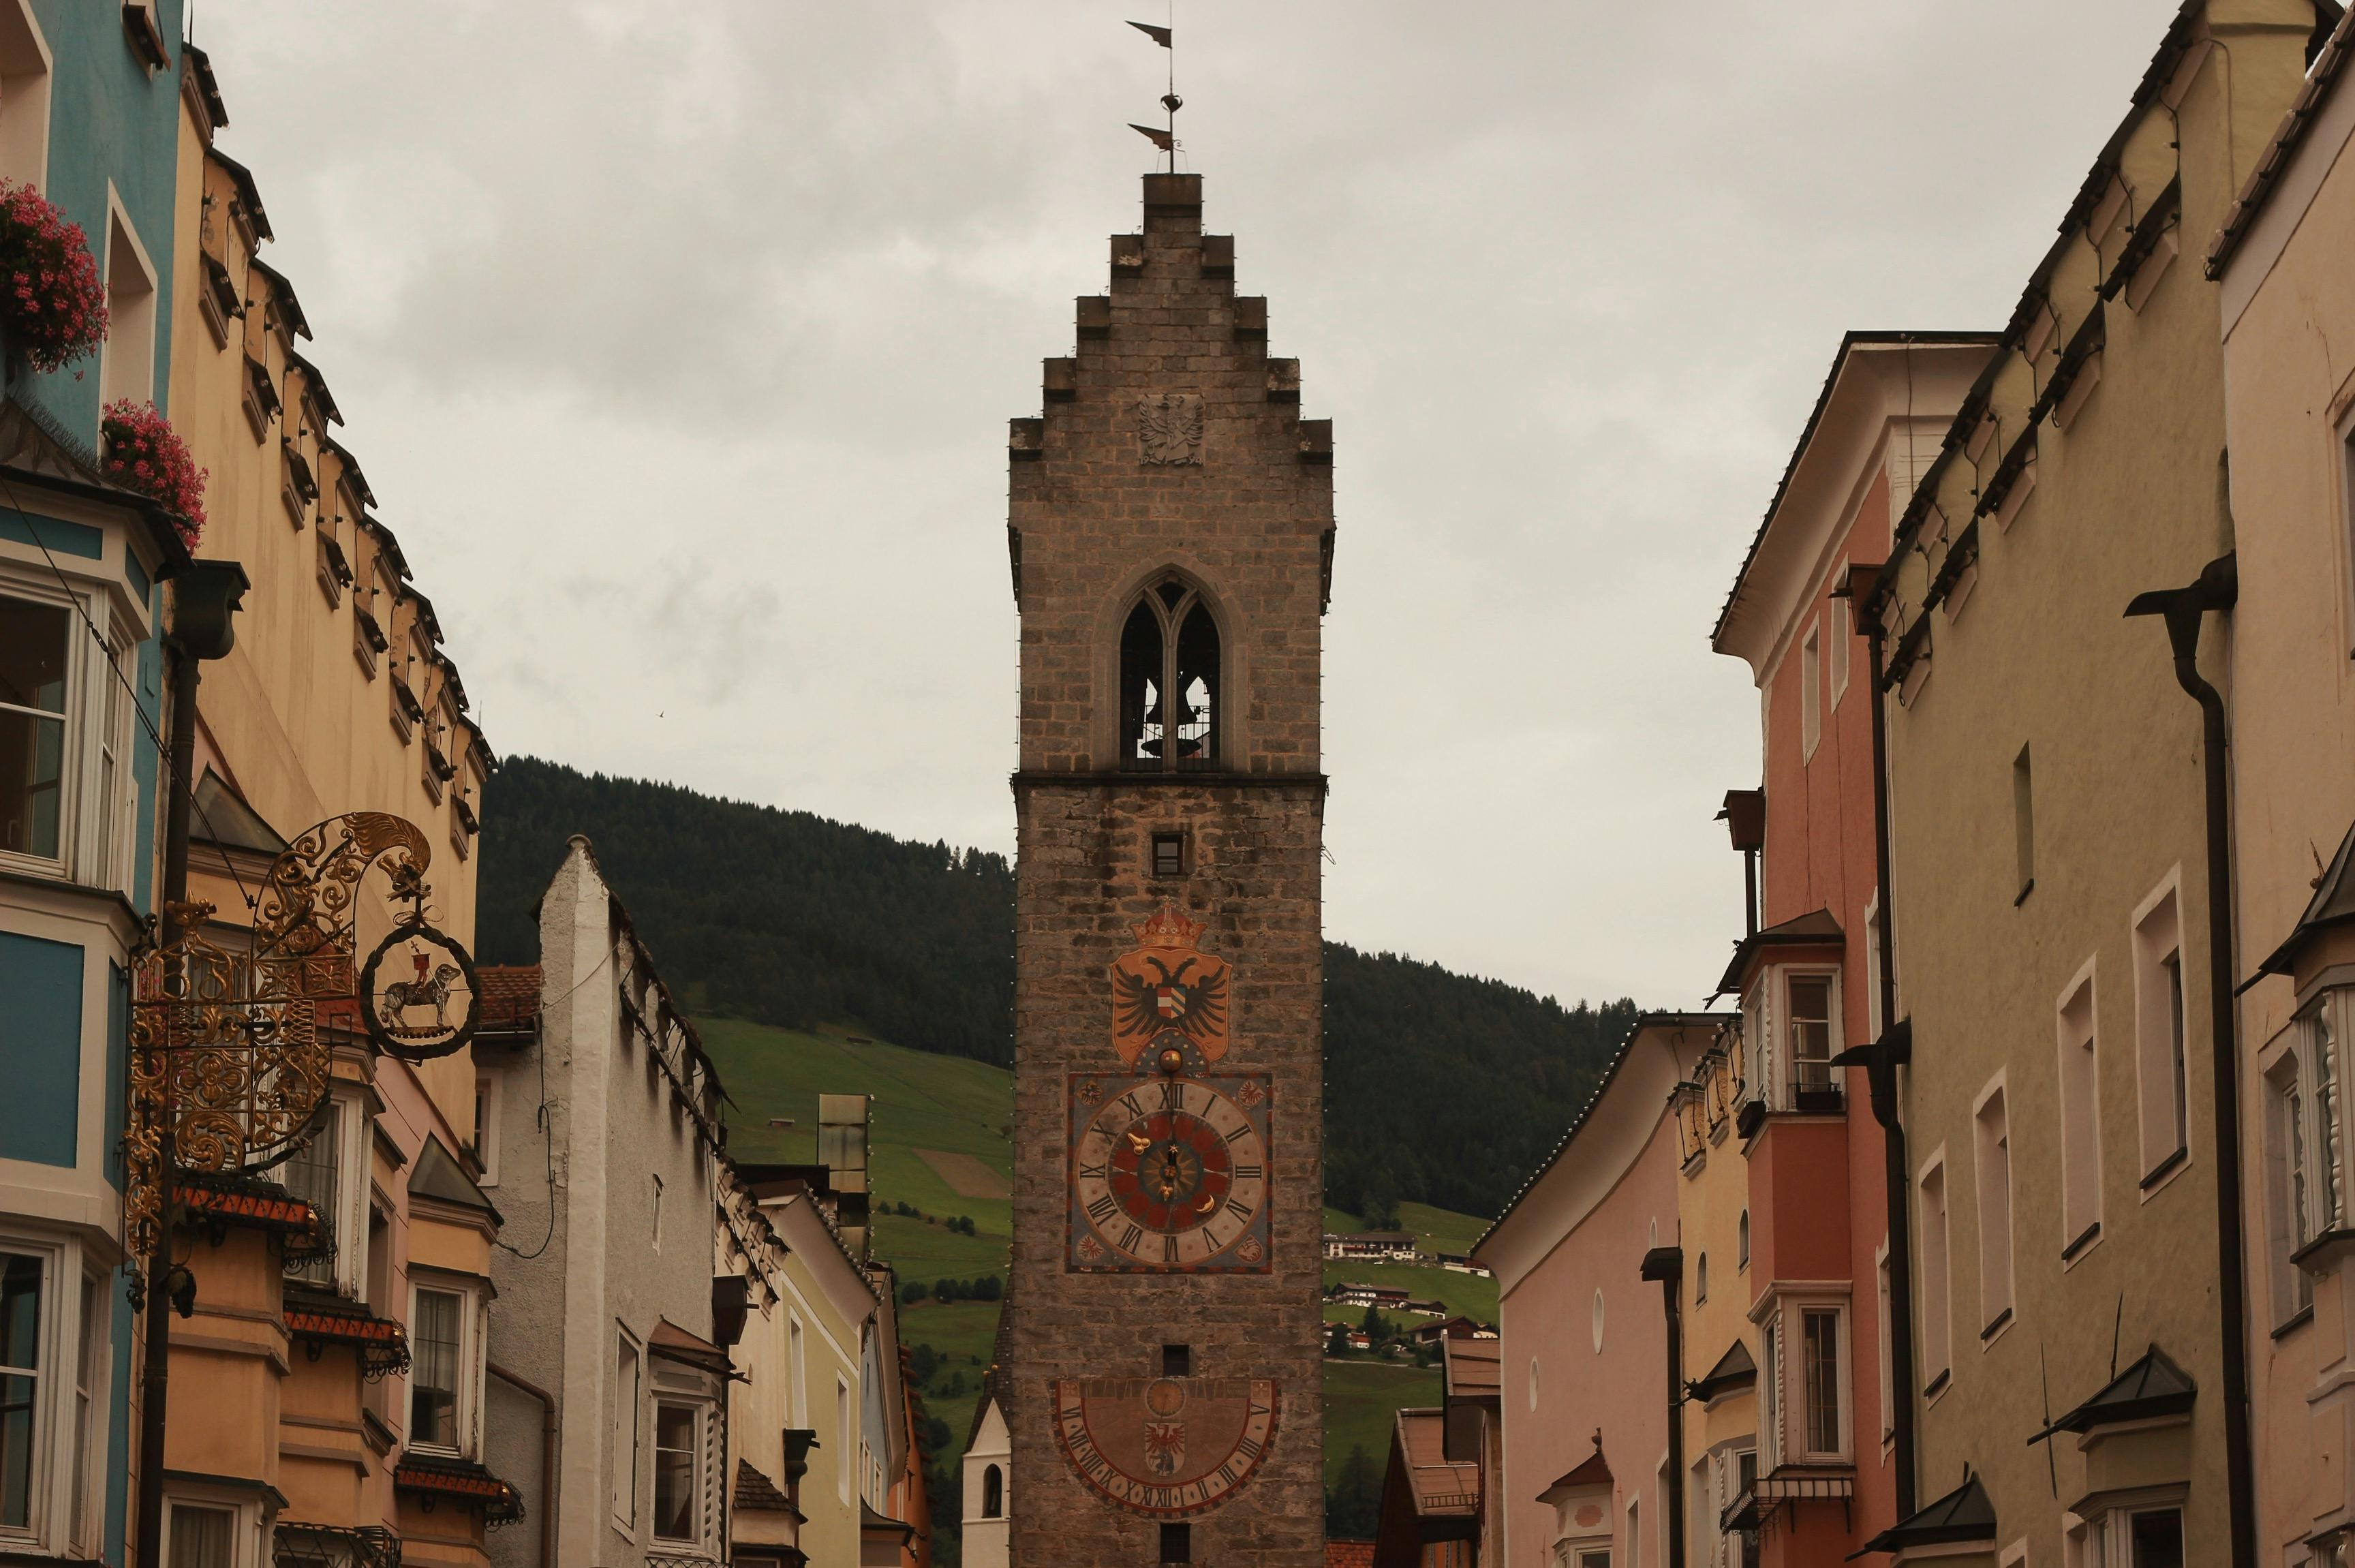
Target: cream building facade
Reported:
[(2288, 312), (2049, 865)]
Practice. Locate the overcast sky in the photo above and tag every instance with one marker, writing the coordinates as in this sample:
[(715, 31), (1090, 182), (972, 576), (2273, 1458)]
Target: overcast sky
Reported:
[(678, 339)]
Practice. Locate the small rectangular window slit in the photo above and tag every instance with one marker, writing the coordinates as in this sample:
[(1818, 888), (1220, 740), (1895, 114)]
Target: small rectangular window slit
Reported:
[(1168, 855)]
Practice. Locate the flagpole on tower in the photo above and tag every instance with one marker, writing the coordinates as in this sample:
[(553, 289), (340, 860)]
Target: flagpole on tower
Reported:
[(1166, 140)]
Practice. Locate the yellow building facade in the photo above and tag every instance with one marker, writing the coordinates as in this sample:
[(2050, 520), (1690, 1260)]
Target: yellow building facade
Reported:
[(326, 1391)]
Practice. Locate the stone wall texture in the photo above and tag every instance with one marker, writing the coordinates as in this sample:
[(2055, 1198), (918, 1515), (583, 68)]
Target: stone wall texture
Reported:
[(1098, 513)]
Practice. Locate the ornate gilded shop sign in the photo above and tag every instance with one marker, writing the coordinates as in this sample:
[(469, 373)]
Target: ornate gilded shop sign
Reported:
[(229, 1065)]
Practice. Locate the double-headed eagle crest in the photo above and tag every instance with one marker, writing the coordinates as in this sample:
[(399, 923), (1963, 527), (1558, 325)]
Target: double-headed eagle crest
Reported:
[(1169, 427), (1168, 986)]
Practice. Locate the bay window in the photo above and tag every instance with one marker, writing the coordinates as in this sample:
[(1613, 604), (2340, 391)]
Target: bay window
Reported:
[(22, 1279), (1821, 1328), (330, 1173), (2306, 1109)]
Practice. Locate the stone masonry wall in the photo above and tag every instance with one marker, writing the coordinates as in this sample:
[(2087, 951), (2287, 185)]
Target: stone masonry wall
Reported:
[(1094, 522)]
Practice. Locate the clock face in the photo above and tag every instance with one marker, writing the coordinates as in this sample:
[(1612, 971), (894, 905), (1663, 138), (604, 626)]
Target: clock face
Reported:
[(1168, 1174)]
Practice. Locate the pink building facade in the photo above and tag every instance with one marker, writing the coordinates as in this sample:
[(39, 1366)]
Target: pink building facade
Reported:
[(1808, 973), (1583, 1341)]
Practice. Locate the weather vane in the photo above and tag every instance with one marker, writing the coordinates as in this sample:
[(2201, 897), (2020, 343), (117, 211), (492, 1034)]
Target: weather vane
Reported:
[(1165, 140)]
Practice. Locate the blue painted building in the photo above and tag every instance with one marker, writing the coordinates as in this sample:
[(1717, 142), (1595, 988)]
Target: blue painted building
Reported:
[(89, 113)]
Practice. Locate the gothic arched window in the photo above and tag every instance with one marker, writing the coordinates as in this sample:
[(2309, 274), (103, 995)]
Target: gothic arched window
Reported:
[(1169, 645), (993, 1492)]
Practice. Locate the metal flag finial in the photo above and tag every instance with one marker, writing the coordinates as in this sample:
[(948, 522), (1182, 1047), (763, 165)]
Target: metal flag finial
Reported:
[(1164, 139)]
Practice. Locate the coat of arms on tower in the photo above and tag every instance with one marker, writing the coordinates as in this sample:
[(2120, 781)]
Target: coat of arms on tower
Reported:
[(1169, 427), (1169, 993)]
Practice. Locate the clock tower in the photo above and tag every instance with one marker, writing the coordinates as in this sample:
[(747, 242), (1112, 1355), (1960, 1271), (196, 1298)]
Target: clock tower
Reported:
[(1171, 529)]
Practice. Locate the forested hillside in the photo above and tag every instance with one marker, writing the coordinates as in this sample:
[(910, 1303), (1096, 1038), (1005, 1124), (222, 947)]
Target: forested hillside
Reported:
[(1440, 1088)]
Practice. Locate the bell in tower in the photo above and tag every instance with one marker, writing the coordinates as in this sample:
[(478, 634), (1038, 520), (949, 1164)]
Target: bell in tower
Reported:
[(1171, 521)]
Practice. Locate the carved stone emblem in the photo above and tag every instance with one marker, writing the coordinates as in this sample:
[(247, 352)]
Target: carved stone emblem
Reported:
[(1169, 427)]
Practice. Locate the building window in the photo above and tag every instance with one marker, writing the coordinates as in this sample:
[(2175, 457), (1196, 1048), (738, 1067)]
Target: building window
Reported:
[(1701, 1280), (24, 1280), (2023, 821), (1770, 1391), (2292, 1177), (202, 1536), (1993, 1131), (847, 1434), (127, 362), (436, 1339), (1168, 855), (24, 97), (1170, 643), (1177, 1544), (625, 1434), (677, 1452), (1820, 1329), (487, 1128), (1742, 1241), (1811, 701), (33, 664), (2158, 1039), (800, 1389), (1842, 634), (2080, 1132), (993, 1492), (1812, 1036), (320, 1174), (1872, 1019), (658, 1224), (1888, 1376), (1937, 1339), (2325, 1198), (2155, 1538)]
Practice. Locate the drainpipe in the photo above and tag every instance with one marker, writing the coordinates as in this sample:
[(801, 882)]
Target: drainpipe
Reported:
[(547, 1465), (205, 598), (1666, 1265), (1882, 1058), (2216, 587)]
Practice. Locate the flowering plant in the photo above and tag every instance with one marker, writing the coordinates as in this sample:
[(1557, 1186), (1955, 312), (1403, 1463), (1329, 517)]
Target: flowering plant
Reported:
[(143, 453), (51, 301)]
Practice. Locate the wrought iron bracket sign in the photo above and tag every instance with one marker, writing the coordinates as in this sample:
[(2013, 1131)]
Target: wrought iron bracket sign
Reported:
[(230, 1048)]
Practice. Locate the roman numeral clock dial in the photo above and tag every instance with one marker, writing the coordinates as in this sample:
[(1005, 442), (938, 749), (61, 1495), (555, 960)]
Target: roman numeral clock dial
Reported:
[(1169, 1174)]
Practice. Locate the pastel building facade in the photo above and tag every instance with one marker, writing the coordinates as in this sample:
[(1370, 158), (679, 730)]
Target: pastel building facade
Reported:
[(1583, 1371), (2072, 1141), (86, 119)]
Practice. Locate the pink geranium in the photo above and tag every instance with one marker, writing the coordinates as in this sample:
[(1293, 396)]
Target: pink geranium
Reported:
[(143, 453), (52, 304)]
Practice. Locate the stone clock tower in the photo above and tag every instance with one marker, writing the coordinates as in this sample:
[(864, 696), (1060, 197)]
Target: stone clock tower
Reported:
[(1172, 537)]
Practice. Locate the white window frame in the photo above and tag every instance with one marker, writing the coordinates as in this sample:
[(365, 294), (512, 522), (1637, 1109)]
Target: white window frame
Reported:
[(2162, 1034), (629, 1428), (1935, 1226), (700, 1480), (1838, 632), (345, 1273), (2288, 1133), (1873, 1026), (1999, 1254), (1787, 1084), (846, 1434), (1811, 690), (1888, 1367), (78, 723), (467, 1410), (797, 1345), (2077, 1033), (2106, 1537), (1786, 1394), (2323, 1059), (488, 1090), (57, 1521), (248, 1534)]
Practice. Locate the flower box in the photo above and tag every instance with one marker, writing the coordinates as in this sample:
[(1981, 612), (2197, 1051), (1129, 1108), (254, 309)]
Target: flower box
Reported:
[(145, 454), (52, 302)]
